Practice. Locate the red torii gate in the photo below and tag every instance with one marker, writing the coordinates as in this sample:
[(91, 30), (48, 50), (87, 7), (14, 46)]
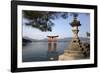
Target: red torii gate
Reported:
[(52, 43)]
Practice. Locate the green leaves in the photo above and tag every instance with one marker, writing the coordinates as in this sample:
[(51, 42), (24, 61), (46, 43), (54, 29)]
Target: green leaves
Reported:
[(87, 34)]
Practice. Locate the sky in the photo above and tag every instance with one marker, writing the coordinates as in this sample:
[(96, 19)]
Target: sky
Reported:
[(61, 28)]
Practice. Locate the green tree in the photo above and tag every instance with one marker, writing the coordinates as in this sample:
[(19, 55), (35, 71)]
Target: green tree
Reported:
[(87, 34), (42, 19)]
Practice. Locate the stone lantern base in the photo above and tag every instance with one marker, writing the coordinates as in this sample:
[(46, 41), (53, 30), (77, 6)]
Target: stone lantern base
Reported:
[(76, 50)]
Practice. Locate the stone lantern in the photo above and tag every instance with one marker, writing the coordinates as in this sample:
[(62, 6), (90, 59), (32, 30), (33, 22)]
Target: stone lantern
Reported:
[(75, 49)]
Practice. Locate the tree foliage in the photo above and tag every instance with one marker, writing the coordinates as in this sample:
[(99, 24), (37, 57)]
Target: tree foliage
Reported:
[(43, 19), (87, 34)]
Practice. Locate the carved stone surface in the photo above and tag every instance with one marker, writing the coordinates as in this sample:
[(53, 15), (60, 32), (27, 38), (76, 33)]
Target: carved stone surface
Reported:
[(74, 51)]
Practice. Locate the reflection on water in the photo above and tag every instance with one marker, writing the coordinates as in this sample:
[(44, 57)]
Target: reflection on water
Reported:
[(52, 54), (42, 51)]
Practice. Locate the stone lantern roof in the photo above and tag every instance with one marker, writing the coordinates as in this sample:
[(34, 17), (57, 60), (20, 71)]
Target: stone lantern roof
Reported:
[(75, 22)]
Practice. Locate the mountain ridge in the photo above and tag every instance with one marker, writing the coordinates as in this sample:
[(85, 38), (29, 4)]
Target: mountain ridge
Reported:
[(59, 40)]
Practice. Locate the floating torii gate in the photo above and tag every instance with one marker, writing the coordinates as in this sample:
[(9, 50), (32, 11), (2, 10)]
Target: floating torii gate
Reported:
[(52, 43)]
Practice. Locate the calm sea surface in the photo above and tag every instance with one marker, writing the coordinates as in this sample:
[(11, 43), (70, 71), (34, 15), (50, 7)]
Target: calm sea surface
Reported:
[(38, 51)]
